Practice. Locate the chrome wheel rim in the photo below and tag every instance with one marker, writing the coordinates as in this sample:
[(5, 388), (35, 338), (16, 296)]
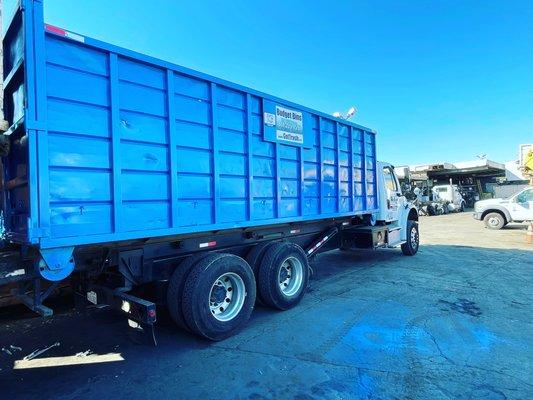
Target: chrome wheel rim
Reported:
[(493, 221), (414, 237), (290, 276), (227, 296)]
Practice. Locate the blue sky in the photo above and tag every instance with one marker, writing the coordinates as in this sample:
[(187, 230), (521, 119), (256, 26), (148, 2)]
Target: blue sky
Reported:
[(439, 81)]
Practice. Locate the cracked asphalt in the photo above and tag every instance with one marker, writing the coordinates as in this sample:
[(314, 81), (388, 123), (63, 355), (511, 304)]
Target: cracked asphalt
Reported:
[(453, 322)]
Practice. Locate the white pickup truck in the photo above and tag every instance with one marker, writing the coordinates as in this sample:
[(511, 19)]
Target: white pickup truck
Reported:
[(496, 213)]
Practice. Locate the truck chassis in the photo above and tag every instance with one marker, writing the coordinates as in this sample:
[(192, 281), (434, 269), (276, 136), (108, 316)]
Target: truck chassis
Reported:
[(121, 275)]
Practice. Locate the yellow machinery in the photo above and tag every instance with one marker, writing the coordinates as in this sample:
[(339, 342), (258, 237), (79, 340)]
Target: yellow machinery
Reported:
[(527, 165)]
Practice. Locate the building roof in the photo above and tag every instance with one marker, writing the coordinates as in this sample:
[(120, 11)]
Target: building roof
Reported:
[(481, 167), (482, 163)]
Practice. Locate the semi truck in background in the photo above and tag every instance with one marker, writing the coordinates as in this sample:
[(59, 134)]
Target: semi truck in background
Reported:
[(450, 196), (432, 199), (144, 183)]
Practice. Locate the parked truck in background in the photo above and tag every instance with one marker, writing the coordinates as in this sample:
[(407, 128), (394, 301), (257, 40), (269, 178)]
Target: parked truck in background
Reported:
[(146, 183), (450, 197)]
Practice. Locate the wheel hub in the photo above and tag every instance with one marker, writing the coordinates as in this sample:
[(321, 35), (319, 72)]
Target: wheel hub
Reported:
[(284, 274), (218, 294), (290, 276), (227, 296)]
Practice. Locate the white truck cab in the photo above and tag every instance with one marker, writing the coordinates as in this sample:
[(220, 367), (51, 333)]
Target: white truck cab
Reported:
[(450, 194), (391, 198), (496, 213), (395, 211), (393, 224)]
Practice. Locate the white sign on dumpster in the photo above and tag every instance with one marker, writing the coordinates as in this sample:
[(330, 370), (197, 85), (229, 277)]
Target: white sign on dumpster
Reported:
[(289, 125)]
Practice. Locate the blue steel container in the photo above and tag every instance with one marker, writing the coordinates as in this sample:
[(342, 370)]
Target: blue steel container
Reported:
[(117, 146)]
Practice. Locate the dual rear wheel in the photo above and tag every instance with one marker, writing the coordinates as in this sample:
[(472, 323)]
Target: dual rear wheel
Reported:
[(213, 295), (282, 276)]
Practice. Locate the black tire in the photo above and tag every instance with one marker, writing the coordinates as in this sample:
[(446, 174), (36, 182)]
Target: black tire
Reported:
[(410, 247), (254, 258), (176, 286), (269, 274), (198, 290), (462, 208), (494, 220), (256, 254)]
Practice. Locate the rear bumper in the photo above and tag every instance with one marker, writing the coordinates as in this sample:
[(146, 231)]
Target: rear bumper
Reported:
[(477, 215)]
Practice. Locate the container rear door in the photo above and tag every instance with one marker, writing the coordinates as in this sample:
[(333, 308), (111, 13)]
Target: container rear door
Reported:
[(14, 144)]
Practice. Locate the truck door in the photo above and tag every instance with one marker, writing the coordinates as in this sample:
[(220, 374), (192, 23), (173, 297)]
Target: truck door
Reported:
[(522, 206), (393, 193)]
